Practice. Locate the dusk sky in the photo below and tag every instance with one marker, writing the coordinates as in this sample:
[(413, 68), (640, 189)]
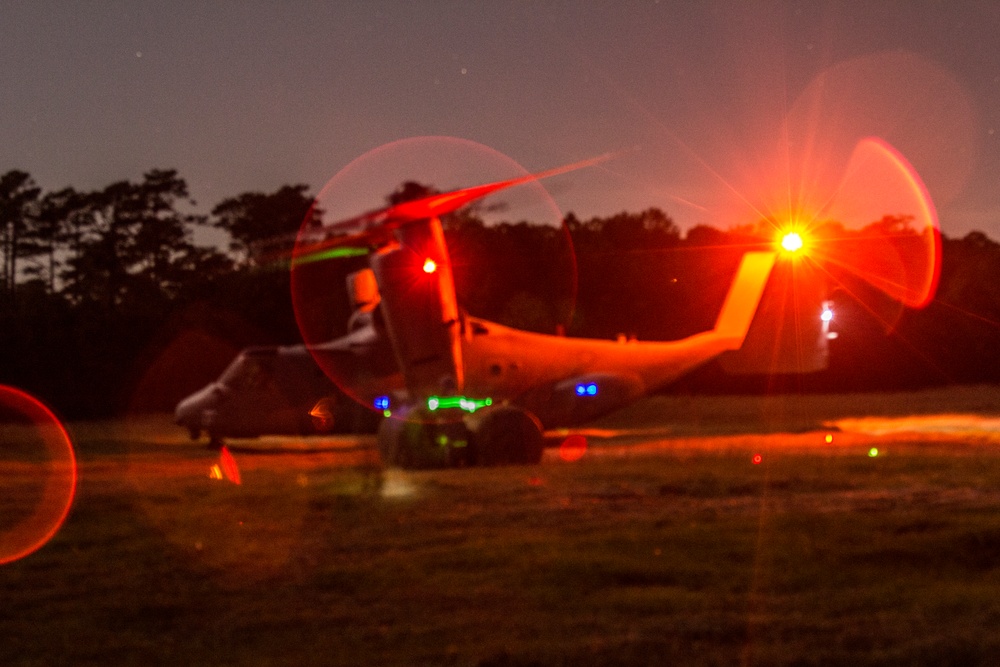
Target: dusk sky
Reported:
[(699, 101)]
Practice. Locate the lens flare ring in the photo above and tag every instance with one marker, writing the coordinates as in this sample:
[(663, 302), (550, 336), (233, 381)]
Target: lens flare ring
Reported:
[(21, 472), (881, 226), (441, 161)]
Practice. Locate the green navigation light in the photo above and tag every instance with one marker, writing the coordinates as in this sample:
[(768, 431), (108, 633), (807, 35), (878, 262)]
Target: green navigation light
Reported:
[(461, 402), (332, 253)]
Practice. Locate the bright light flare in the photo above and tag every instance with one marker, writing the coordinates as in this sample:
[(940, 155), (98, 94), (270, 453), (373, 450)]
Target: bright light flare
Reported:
[(792, 242), (38, 490), (430, 266)]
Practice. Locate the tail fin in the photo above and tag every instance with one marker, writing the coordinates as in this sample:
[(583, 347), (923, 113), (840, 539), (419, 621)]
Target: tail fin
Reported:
[(744, 296), (787, 332)]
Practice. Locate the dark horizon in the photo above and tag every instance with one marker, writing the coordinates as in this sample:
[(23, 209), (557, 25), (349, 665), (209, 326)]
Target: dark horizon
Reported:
[(246, 97)]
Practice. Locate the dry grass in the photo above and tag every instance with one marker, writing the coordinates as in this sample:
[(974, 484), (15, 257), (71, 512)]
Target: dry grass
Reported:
[(650, 550)]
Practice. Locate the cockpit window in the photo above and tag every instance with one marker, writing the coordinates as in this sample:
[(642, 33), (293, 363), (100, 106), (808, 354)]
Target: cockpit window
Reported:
[(246, 372)]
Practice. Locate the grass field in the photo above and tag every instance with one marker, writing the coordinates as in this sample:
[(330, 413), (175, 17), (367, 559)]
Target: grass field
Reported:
[(664, 544)]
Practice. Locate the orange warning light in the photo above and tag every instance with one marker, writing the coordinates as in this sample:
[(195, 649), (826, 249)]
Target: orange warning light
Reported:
[(322, 415)]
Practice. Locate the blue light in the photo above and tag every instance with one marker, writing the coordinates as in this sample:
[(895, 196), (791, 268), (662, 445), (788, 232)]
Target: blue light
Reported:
[(581, 390), (586, 389), (382, 403), (592, 389)]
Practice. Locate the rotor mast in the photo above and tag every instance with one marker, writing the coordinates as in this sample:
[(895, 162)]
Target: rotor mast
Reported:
[(420, 308)]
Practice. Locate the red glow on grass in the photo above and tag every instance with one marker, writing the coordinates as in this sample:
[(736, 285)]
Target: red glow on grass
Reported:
[(573, 448), (40, 490), (757, 458)]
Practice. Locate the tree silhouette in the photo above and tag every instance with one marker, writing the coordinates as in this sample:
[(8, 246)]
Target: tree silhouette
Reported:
[(18, 198), (58, 222), (253, 217), (132, 251)]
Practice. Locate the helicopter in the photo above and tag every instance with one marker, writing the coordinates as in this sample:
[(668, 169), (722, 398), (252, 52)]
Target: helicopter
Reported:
[(456, 390)]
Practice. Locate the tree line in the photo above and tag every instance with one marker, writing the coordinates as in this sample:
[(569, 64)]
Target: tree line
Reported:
[(108, 304)]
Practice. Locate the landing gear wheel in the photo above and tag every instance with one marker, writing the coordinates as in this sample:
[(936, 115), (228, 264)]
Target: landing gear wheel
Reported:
[(505, 435), (387, 438), (419, 441)]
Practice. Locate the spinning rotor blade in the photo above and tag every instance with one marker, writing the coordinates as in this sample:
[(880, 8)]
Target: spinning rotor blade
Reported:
[(375, 227), (438, 205), (282, 248)]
